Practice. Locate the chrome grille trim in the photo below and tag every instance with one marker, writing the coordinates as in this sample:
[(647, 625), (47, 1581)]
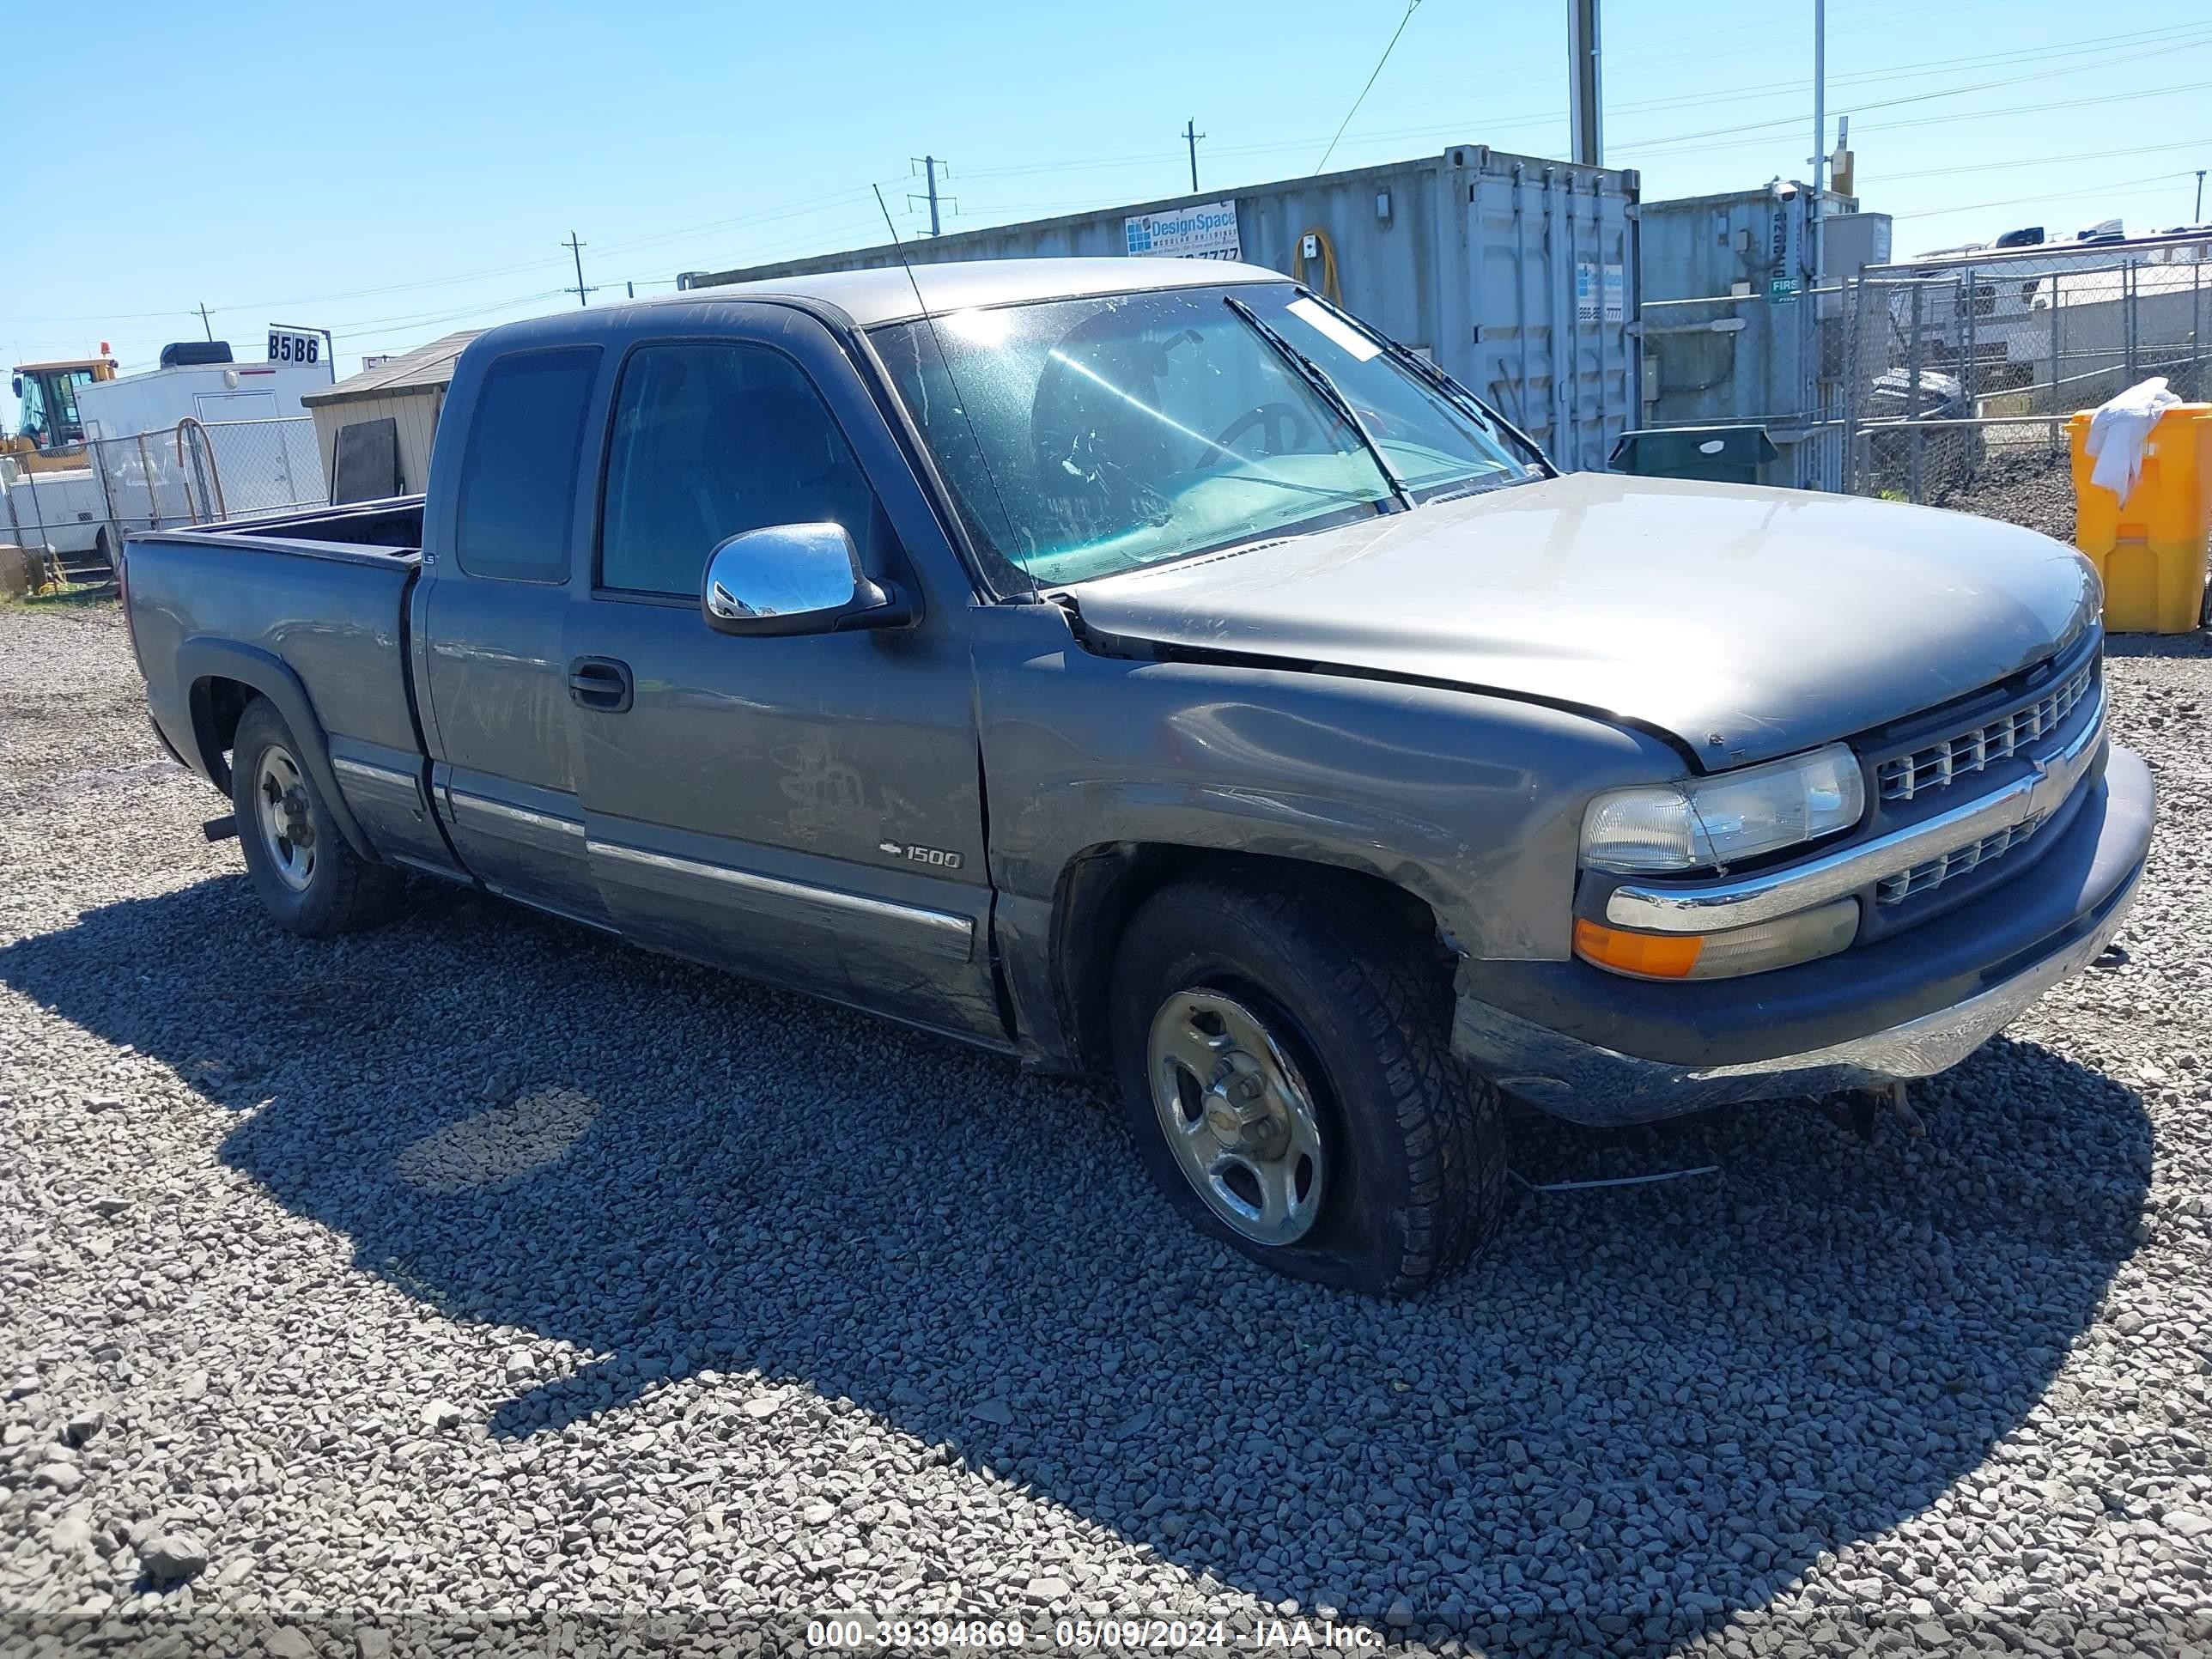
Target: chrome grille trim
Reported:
[(1934, 765), (1701, 907), (1923, 878)]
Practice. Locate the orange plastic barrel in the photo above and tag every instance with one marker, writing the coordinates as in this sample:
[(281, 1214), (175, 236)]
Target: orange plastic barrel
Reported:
[(2150, 548)]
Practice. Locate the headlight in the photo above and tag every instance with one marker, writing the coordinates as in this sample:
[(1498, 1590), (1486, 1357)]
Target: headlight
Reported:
[(1700, 824)]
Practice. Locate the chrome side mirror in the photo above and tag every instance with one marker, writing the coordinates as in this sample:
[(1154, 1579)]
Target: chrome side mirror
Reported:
[(796, 579)]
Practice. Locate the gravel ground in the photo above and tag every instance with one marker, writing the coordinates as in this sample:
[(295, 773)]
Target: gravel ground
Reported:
[(2034, 488), (442, 1283)]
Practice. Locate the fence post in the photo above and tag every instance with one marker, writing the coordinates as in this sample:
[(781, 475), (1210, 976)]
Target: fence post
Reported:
[(2128, 315), (1912, 398), (1968, 357), (2057, 342), (97, 454), (2196, 387)]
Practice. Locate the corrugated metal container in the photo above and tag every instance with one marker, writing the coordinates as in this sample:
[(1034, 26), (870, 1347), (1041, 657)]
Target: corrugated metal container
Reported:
[(1517, 274), (1731, 332), (1696, 246)]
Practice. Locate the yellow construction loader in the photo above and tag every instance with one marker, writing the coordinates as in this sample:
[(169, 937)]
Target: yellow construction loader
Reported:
[(51, 428)]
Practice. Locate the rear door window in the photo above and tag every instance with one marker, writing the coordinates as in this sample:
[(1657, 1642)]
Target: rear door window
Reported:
[(519, 469)]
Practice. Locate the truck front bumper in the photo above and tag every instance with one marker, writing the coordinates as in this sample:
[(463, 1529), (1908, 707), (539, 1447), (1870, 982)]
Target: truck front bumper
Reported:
[(1600, 1048)]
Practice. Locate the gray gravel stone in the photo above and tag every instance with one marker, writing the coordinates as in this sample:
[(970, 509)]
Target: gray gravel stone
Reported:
[(170, 1556), (719, 1278)]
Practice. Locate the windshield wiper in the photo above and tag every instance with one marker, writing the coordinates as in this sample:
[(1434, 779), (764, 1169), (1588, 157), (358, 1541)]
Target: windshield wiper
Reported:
[(1317, 376), (1446, 387)]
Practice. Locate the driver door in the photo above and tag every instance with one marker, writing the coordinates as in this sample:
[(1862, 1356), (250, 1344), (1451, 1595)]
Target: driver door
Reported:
[(803, 809)]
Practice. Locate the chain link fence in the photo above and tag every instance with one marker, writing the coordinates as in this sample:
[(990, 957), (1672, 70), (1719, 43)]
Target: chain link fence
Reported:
[(70, 509), (1948, 382), (1959, 377)]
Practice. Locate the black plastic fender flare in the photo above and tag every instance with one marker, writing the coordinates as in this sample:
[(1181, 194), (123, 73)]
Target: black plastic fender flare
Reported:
[(202, 659)]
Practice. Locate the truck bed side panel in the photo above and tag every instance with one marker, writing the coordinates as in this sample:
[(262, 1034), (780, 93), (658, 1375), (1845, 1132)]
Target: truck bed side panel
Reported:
[(335, 619)]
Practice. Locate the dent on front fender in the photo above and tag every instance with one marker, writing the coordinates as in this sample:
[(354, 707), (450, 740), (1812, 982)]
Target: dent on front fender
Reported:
[(1471, 803)]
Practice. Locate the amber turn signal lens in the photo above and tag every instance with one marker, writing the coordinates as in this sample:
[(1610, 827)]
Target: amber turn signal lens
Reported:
[(1652, 956)]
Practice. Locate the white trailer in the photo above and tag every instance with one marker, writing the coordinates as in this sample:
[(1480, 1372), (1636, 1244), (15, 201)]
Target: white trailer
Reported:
[(156, 399)]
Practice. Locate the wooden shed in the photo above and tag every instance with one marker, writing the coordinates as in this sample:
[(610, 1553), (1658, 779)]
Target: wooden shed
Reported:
[(374, 427)]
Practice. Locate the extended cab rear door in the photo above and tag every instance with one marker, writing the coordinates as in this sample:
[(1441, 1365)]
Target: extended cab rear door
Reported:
[(494, 608), (806, 808)]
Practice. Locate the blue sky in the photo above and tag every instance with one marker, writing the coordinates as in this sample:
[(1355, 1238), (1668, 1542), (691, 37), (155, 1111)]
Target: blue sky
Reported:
[(399, 171)]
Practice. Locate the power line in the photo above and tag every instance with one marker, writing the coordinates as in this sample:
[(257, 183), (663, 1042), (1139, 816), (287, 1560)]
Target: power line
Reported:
[(2045, 160), (2124, 185), (1411, 6), (2160, 50)]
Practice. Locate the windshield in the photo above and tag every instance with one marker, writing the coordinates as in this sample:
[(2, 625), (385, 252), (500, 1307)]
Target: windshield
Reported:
[(1119, 432), (33, 422)]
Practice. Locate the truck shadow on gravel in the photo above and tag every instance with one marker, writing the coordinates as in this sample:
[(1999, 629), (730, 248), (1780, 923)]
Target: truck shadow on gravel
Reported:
[(1647, 1407)]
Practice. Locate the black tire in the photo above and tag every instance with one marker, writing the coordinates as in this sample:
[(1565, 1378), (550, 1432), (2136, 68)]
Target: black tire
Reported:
[(341, 889), (1415, 1163)]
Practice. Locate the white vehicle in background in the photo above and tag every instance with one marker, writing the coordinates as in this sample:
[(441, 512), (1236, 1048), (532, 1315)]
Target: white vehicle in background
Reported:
[(71, 491), (2025, 312), (193, 382)]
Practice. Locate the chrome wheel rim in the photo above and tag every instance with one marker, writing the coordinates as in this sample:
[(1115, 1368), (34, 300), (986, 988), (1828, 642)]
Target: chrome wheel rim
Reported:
[(1237, 1115), (288, 832)]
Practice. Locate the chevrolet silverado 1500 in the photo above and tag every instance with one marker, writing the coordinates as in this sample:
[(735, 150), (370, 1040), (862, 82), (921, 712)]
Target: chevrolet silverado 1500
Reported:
[(1145, 667)]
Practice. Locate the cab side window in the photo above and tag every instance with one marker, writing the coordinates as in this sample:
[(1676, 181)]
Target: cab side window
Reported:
[(712, 440), (519, 469)]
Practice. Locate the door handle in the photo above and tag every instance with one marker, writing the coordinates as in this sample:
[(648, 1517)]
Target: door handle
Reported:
[(603, 683)]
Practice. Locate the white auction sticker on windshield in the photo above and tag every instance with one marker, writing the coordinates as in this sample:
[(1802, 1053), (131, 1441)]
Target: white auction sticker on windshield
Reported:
[(1324, 322)]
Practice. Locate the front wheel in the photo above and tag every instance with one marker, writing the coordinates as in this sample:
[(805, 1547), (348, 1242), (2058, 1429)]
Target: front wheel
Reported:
[(1285, 1064), (307, 875)]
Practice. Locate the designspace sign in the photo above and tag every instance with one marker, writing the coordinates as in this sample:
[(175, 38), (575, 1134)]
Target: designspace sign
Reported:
[(1205, 232)]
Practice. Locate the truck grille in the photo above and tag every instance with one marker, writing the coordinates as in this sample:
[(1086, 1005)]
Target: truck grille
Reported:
[(1909, 883), (1935, 765)]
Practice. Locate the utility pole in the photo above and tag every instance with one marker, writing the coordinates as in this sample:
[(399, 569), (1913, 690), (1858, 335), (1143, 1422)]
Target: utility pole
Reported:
[(2198, 217), (1191, 134), (580, 291), (1820, 131), (207, 328), (1585, 84), (930, 165)]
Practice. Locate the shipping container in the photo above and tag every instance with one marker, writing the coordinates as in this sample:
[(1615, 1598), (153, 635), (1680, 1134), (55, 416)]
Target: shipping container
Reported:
[(1756, 242), (1515, 274), (1734, 327)]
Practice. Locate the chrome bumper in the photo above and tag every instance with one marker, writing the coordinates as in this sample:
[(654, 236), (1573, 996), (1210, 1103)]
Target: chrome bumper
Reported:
[(1591, 1084), (1562, 1036), (1708, 906)]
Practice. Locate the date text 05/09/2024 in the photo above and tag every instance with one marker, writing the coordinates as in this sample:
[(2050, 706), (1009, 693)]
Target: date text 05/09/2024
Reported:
[(1134, 1634)]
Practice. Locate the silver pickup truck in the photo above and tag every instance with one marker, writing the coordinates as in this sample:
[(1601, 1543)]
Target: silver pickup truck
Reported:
[(1146, 668)]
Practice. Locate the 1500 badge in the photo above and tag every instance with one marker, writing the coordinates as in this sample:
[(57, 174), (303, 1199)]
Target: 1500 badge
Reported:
[(936, 857)]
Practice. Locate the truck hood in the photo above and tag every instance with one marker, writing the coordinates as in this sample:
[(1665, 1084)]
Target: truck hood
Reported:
[(1747, 622)]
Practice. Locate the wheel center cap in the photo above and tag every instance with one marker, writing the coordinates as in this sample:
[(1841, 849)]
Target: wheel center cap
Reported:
[(1241, 1110)]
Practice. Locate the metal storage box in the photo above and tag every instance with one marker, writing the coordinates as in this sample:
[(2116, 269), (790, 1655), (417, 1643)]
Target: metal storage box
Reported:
[(1516, 275)]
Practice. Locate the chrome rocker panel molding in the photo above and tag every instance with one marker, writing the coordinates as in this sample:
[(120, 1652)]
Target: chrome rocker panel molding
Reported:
[(1589, 1084), (938, 933), (1710, 905)]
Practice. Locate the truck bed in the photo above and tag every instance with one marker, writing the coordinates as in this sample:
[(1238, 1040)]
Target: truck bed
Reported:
[(309, 610), (386, 527)]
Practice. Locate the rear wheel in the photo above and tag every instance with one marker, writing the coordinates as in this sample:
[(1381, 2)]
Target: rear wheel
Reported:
[(306, 873), (1284, 1065)]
